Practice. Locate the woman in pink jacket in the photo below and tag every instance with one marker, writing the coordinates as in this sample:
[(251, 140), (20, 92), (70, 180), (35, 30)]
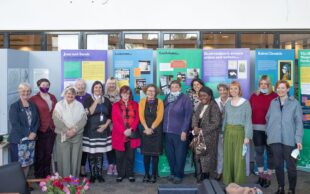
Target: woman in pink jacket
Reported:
[(125, 118)]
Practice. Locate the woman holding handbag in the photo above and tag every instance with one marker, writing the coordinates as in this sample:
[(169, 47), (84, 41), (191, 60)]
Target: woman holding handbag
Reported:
[(125, 118), (206, 125)]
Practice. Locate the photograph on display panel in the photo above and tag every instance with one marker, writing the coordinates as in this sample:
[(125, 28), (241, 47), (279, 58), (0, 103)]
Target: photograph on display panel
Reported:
[(145, 66), (164, 82), (285, 70), (122, 74)]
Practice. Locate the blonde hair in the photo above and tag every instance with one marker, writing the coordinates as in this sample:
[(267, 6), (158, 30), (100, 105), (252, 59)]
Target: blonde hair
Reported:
[(267, 79), (106, 87), (24, 85)]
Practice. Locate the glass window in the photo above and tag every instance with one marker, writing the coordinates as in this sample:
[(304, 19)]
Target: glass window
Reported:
[(141, 41), (31, 42), (212, 41), (295, 41), (102, 41), (57, 42), (180, 40), (255, 41), (1, 41)]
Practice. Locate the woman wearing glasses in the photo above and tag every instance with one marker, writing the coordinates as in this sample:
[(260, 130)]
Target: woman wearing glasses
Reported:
[(151, 111), (97, 134), (125, 118)]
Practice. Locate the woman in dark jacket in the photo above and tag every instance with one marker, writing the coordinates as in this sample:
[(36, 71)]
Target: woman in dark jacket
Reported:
[(177, 118), (25, 122), (151, 111), (97, 134), (206, 122)]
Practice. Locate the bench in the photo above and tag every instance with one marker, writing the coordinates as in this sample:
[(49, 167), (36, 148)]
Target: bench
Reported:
[(210, 186)]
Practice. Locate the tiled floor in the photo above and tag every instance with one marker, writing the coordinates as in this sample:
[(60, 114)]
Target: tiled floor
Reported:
[(125, 187)]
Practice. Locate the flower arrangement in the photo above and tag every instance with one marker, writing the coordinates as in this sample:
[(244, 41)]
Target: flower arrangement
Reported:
[(67, 185)]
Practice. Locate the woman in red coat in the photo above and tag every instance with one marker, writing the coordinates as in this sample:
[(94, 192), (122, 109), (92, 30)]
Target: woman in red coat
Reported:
[(125, 118)]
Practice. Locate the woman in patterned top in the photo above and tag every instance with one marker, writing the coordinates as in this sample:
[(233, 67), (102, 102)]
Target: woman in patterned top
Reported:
[(25, 122)]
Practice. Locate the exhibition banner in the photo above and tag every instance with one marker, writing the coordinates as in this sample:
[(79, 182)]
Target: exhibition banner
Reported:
[(133, 68), (89, 65), (304, 98), (278, 64), (181, 64), (226, 65)]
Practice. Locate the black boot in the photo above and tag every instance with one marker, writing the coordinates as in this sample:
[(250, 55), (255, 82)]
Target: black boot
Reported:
[(92, 168), (205, 176), (154, 178), (280, 191), (260, 181), (146, 178), (99, 174), (291, 191)]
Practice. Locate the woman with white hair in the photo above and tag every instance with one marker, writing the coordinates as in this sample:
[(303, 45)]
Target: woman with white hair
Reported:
[(25, 122), (69, 118)]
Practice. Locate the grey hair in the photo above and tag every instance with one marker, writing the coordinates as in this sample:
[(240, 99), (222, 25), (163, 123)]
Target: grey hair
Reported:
[(24, 85), (69, 88), (81, 80)]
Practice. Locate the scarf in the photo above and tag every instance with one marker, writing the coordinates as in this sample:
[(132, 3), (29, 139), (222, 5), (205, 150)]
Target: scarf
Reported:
[(128, 113), (172, 98), (71, 113)]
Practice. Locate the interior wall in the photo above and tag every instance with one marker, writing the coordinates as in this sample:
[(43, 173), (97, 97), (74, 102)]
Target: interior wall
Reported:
[(159, 14), (50, 60)]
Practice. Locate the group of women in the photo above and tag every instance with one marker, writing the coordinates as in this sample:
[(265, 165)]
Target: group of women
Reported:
[(84, 126)]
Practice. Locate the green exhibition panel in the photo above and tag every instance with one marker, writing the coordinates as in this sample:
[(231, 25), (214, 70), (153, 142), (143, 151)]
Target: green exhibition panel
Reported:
[(181, 64), (184, 65), (304, 99)]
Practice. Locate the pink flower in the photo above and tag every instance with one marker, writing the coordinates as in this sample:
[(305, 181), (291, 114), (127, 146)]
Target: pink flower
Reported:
[(66, 190), (86, 187), (42, 183), (44, 188)]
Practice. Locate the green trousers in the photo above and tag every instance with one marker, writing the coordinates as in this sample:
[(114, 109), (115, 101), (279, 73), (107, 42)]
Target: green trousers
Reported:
[(234, 168)]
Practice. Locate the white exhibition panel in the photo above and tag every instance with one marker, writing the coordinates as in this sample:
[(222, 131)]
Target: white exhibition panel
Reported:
[(153, 15)]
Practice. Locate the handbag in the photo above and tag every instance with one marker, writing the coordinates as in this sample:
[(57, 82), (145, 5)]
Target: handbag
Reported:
[(198, 144), (201, 148)]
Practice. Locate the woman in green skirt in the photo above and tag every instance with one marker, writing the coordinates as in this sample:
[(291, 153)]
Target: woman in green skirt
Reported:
[(237, 125)]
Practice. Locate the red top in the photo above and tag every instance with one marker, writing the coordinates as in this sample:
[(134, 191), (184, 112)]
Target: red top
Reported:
[(260, 105), (45, 114), (118, 137)]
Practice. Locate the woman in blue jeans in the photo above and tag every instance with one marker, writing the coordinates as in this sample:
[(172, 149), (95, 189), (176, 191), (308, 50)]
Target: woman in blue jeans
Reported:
[(177, 118), (284, 134)]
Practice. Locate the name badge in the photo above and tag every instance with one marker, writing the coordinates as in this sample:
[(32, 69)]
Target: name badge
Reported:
[(101, 117)]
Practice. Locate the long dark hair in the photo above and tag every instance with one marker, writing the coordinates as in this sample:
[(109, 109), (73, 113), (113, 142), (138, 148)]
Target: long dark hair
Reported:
[(197, 80)]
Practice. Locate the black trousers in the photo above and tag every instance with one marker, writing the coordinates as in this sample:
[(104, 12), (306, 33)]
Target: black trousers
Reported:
[(43, 153), (125, 161), (147, 162), (84, 158), (111, 157), (282, 153)]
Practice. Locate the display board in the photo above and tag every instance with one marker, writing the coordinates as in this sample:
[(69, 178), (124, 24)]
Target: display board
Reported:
[(278, 64), (133, 68), (181, 64), (90, 65), (226, 65), (304, 99)]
